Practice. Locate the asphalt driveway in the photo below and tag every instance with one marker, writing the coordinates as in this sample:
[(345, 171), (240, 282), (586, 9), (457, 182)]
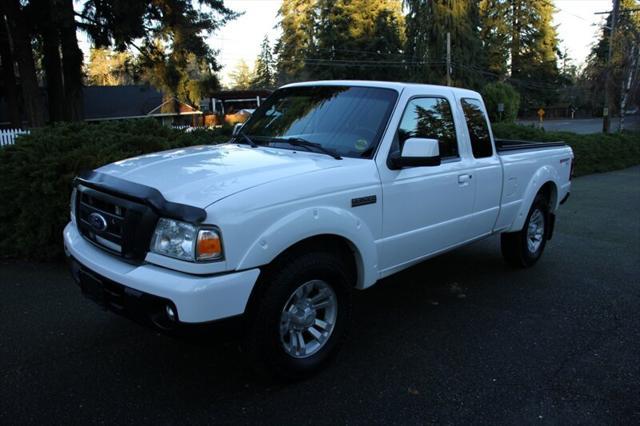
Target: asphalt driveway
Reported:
[(459, 339)]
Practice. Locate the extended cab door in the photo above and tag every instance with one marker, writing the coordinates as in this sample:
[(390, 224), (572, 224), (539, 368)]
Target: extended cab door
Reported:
[(488, 168), (425, 209)]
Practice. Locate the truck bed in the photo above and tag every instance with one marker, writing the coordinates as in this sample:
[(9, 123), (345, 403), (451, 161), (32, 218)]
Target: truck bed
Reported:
[(509, 145)]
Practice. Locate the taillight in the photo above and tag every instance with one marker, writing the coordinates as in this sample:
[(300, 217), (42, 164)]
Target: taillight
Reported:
[(573, 165)]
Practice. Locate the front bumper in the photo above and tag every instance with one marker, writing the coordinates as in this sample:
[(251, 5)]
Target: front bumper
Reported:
[(195, 299)]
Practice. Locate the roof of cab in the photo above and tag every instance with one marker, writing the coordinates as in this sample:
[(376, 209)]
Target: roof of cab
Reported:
[(398, 86)]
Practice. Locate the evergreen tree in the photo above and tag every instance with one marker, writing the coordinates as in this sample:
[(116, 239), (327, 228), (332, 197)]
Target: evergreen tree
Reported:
[(494, 34), (264, 74), (534, 57), (18, 29), (428, 23), (170, 36), (357, 39), (297, 21), (110, 68), (625, 52), (241, 76), (351, 39), (519, 36)]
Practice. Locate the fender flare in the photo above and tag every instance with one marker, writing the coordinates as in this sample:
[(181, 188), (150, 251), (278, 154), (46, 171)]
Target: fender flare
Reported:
[(316, 221), (541, 177)]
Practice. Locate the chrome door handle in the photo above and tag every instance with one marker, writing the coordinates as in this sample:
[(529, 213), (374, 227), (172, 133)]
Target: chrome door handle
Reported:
[(464, 179)]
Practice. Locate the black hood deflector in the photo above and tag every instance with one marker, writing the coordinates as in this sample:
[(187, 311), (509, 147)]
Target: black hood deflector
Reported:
[(142, 194)]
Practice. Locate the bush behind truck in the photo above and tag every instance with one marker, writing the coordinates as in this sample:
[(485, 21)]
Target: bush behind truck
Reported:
[(37, 171)]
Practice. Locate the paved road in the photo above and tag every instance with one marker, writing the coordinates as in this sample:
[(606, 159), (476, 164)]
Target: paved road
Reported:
[(458, 339), (588, 125)]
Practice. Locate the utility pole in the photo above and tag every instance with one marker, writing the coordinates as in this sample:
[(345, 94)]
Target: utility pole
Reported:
[(626, 86), (448, 59), (607, 96)]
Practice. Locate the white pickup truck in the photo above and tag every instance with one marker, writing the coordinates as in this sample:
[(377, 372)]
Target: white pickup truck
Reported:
[(329, 187)]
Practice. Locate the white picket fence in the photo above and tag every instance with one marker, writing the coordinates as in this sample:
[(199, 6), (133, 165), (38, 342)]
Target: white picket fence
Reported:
[(8, 136)]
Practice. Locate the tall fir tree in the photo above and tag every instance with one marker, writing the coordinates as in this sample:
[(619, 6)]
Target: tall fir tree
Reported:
[(297, 22), (428, 22), (241, 76), (521, 42), (110, 68), (358, 39), (264, 74), (169, 35), (349, 39), (619, 73), (495, 36)]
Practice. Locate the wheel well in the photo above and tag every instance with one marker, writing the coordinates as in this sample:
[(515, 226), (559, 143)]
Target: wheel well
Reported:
[(334, 243), (550, 193)]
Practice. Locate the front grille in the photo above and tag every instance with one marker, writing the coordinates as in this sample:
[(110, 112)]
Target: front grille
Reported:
[(114, 216), (118, 225)]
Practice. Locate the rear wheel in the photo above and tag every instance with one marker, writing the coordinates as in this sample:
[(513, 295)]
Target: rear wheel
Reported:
[(523, 248), (301, 316)]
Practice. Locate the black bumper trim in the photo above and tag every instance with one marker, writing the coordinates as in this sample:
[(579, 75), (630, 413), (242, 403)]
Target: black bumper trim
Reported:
[(145, 308)]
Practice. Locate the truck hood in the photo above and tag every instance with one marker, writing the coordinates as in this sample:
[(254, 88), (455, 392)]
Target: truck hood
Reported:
[(201, 175)]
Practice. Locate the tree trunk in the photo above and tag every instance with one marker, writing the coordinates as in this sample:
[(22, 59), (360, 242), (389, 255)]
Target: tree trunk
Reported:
[(515, 37), (52, 63), (31, 94), (9, 79), (71, 60)]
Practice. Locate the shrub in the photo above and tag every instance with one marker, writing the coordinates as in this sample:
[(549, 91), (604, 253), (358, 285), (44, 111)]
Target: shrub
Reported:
[(501, 93), (38, 170), (594, 153)]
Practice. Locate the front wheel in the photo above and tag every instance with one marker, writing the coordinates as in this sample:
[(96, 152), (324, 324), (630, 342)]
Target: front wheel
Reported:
[(523, 248), (302, 315)]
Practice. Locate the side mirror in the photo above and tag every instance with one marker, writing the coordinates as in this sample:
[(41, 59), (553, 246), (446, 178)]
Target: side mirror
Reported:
[(417, 152), (236, 129)]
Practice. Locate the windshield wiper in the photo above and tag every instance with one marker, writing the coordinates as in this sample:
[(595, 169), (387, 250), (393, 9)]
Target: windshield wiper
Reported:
[(246, 138), (300, 142)]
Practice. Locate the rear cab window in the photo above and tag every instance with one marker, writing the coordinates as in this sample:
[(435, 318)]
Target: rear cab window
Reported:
[(478, 127)]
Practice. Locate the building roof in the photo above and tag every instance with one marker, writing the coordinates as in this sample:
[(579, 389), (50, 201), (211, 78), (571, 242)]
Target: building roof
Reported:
[(113, 102), (116, 102), (239, 94)]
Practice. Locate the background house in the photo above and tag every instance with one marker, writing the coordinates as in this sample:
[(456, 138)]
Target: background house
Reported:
[(129, 102), (231, 106), (137, 101)]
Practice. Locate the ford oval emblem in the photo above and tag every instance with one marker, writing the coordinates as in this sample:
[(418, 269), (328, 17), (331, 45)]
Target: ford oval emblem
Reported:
[(97, 221)]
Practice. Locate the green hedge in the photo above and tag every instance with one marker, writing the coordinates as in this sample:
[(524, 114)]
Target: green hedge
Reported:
[(594, 153), (37, 172)]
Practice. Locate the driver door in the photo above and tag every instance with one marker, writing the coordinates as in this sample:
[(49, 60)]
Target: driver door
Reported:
[(425, 209)]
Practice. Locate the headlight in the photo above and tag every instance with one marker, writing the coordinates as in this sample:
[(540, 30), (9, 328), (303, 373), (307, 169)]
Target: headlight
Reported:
[(185, 241)]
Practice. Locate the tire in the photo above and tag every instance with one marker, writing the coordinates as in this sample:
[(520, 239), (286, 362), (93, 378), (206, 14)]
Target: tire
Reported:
[(522, 249), (293, 284)]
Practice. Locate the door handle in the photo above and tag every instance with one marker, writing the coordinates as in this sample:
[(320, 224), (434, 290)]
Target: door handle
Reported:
[(463, 180)]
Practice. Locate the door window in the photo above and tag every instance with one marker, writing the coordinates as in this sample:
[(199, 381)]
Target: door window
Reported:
[(429, 118), (478, 129)]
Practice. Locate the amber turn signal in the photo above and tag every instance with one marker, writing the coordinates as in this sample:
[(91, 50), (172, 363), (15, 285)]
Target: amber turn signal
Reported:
[(209, 246)]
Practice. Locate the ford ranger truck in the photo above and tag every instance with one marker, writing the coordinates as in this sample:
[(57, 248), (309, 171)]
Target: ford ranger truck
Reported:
[(329, 187)]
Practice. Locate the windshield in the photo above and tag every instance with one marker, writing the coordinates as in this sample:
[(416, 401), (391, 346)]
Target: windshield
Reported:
[(343, 119)]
